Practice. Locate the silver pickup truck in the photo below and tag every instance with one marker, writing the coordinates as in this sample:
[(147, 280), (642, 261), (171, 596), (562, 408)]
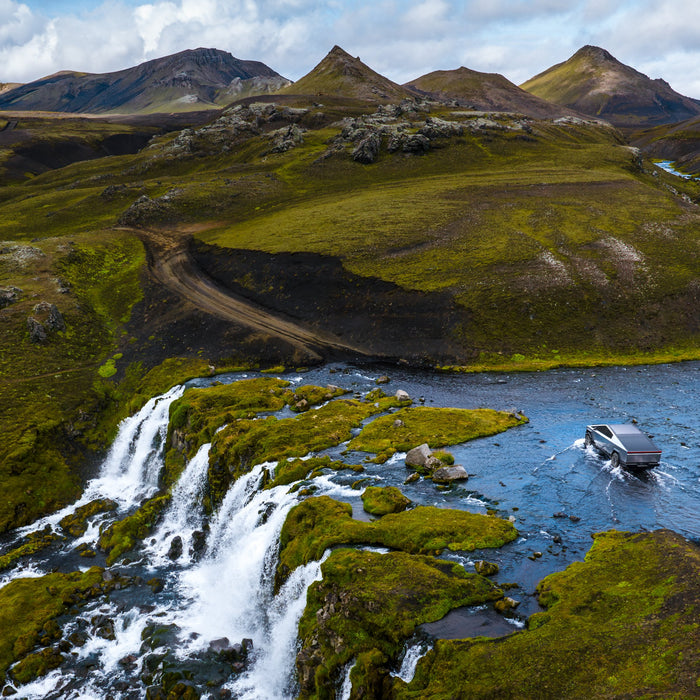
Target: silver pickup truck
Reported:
[(625, 444)]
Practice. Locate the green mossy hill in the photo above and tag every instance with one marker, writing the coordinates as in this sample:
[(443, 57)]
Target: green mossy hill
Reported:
[(373, 602), (123, 535), (436, 426), (288, 471), (244, 443), (52, 395), (623, 623), (75, 524), (319, 523), (382, 500), (28, 608)]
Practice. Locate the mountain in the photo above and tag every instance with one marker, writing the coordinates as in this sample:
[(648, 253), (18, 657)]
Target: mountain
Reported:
[(189, 80), (340, 74), (594, 82), (485, 91)]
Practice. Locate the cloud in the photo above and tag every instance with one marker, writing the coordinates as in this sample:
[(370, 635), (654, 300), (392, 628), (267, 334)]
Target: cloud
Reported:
[(400, 38)]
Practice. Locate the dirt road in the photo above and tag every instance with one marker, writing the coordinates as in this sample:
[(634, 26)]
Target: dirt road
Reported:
[(171, 264)]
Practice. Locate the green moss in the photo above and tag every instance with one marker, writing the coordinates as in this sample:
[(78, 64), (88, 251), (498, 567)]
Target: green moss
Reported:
[(199, 413), (288, 471), (36, 665), (34, 542), (304, 397), (107, 370), (75, 524), (123, 535), (373, 602), (436, 426), (244, 443), (612, 630), (319, 523), (27, 606), (444, 456), (379, 500)]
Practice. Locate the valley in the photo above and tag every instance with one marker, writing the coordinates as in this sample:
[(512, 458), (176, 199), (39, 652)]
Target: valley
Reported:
[(193, 304)]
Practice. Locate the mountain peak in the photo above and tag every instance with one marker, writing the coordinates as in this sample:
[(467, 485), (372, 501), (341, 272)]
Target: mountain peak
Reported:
[(594, 82), (596, 53), (341, 74)]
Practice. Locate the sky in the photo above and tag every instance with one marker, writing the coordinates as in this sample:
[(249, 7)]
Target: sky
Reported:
[(402, 39)]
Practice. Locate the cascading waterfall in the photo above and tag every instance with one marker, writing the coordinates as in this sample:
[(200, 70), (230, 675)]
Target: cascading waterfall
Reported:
[(184, 515), (228, 593)]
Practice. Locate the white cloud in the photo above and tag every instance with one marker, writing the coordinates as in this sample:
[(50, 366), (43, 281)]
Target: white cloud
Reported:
[(399, 38)]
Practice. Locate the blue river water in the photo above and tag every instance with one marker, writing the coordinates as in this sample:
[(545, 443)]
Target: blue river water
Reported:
[(559, 492)]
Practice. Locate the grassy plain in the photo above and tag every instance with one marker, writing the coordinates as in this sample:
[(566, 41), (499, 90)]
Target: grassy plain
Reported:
[(552, 241)]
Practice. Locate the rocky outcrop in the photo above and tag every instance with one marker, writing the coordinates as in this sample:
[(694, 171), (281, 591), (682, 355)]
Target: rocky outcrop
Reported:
[(367, 149), (286, 138), (9, 295), (446, 475), (146, 210), (45, 320)]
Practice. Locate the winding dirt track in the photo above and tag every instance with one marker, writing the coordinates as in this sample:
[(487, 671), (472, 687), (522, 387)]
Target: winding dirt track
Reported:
[(171, 265)]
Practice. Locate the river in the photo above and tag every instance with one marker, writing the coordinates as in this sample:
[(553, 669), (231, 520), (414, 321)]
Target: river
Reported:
[(540, 473)]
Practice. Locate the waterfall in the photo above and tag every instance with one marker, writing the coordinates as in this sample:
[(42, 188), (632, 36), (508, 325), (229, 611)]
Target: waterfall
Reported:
[(229, 592), (185, 513)]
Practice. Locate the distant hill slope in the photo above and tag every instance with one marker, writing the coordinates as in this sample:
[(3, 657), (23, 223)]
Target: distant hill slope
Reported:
[(592, 81), (485, 91), (677, 142), (190, 80), (5, 87), (341, 74)]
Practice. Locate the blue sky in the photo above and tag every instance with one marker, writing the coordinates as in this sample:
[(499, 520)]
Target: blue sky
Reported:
[(401, 39)]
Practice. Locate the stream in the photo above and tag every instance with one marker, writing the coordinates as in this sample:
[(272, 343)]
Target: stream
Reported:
[(557, 491)]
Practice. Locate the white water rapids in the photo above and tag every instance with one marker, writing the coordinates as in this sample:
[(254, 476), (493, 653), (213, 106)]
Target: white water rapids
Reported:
[(227, 593)]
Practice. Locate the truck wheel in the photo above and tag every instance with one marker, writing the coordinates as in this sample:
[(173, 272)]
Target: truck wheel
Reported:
[(614, 460)]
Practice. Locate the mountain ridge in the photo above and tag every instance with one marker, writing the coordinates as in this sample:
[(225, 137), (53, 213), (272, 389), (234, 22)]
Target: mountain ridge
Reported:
[(485, 91), (193, 79)]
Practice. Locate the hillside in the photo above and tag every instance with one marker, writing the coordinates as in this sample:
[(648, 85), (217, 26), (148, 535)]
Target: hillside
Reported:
[(484, 91), (340, 74), (676, 142), (592, 81), (190, 80)]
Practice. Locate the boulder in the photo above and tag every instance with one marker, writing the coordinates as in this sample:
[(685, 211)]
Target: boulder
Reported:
[(486, 568), (402, 395), (417, 144), (9, 295), (418, 456), (37, 332), (382, 380), (175, 551), (46, 318), (433, 463), (199, 542), (506, 604), (446, 475), (367, 149)]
